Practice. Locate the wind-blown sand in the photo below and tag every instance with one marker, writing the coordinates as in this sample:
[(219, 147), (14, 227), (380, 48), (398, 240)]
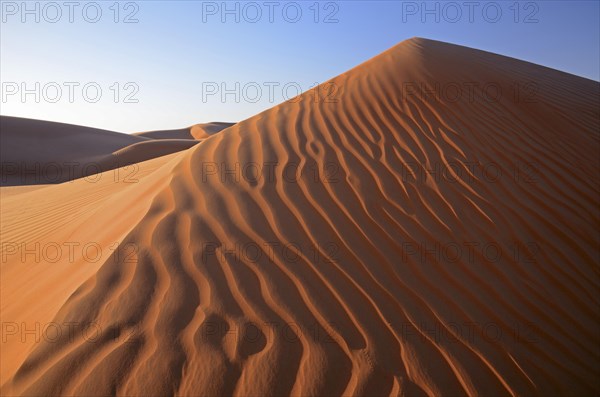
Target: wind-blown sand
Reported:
[(431, 245)]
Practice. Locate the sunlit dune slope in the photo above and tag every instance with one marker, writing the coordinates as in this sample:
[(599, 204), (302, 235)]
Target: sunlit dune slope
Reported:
[(69, 230), (371, 237)]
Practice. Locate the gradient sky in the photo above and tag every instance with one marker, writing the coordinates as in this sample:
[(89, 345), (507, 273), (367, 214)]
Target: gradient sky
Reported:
[(172, 53)]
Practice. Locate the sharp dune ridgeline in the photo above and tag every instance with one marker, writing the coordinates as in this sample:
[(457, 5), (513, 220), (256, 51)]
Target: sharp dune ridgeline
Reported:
[(423, 224)]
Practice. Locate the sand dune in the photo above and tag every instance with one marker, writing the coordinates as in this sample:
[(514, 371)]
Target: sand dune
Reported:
[(203, 131), (89, 212), (197, 131), (37, 152), (384, 240)]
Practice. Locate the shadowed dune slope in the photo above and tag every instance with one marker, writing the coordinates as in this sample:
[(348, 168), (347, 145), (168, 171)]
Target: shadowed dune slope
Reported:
[(182, 133), (203, 131), (197, 131), (40, 152), (370, 237), (35, 152)]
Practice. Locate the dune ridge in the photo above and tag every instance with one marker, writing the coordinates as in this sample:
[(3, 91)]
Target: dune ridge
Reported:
[(365, 304)]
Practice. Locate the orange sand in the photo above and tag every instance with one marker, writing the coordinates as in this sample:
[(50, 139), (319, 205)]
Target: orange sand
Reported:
[(428, 244)]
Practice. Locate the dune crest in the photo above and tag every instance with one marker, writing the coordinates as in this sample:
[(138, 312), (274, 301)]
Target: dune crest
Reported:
[(391, 238)]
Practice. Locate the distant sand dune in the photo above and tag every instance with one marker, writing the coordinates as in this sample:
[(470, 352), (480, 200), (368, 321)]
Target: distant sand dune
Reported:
[(42, 152), (197, 131), (434, 245)]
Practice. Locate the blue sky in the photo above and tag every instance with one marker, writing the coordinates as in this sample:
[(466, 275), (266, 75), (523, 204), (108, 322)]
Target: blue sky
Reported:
[(136, 66)]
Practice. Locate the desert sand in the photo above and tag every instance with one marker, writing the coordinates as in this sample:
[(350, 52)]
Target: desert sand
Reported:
[(38, 152), (197, 131), (378, 235)]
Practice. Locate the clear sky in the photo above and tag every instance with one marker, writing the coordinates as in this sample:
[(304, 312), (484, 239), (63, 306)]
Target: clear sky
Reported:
[(145, 65)]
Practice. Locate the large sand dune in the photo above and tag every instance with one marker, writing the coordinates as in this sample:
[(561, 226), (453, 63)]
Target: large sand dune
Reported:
[(370, 237)]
